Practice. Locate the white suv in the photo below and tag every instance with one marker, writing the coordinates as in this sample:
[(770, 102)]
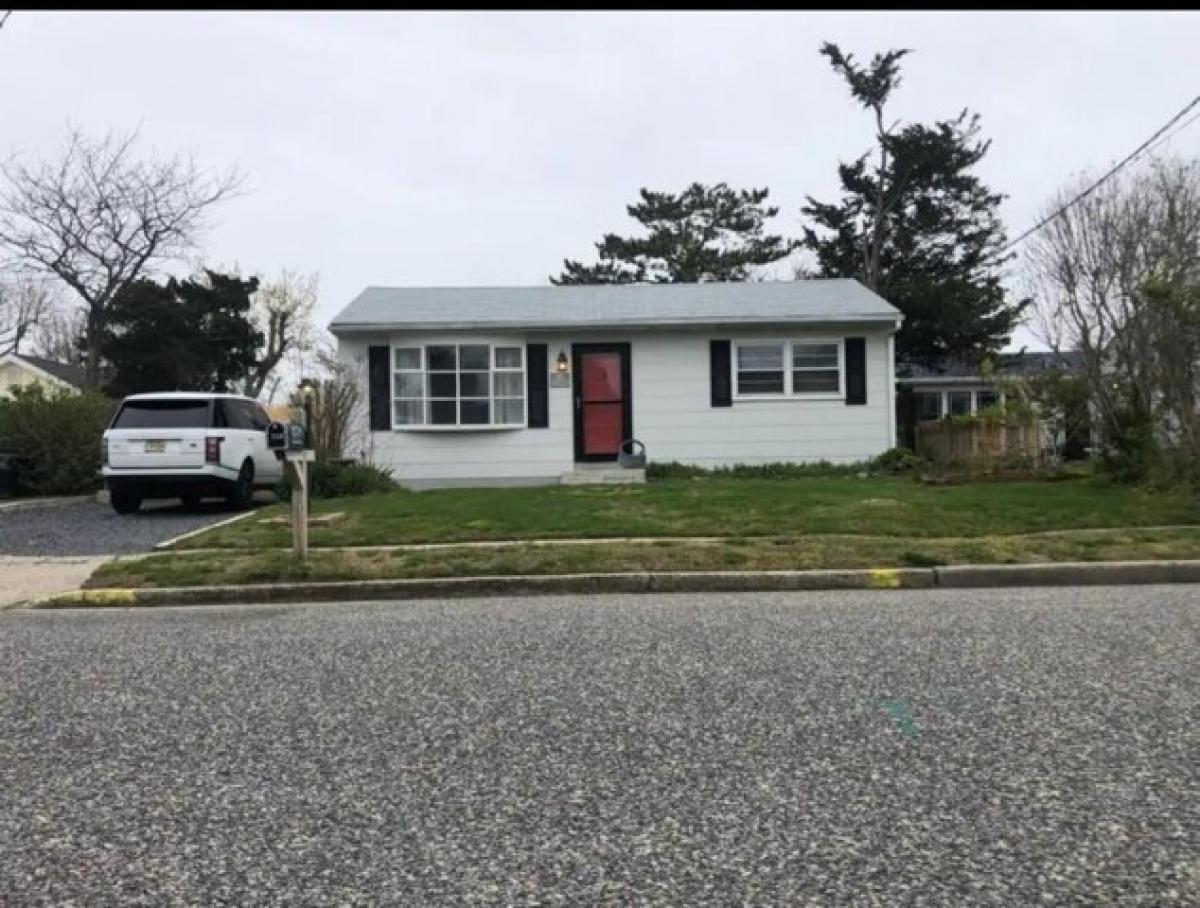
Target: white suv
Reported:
[(187, 445)]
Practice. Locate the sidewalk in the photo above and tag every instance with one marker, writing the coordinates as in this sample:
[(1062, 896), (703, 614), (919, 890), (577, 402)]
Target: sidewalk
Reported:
[(26, 578)]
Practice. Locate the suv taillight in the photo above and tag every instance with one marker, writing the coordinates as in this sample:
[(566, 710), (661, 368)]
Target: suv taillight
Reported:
[(212, 449)]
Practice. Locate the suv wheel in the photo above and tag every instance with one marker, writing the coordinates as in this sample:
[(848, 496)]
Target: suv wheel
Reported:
[(241, 496), (124, 501)]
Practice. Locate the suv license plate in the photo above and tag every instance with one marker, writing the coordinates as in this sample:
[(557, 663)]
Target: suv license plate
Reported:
[(155, 447)]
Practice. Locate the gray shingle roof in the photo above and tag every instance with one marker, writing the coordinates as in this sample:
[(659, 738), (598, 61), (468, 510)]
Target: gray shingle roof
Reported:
[(612, 305), (66, 372), (1025, 363)]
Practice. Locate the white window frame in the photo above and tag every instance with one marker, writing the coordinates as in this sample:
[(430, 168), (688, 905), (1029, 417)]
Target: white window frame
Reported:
[(943, 396), (788, 392), (422, 346)]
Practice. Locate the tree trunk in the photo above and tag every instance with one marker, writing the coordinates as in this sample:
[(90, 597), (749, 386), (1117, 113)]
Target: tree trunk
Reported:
[(92, 360)]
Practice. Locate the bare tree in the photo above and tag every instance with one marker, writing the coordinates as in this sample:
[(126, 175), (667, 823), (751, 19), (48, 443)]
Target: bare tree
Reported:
[(98, 217), (283, 312), (336, 400), (59, 335), (24, 301), (1099, 273)]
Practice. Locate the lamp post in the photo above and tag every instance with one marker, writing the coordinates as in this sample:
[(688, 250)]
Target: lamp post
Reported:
[(307, 392), (299, 476)]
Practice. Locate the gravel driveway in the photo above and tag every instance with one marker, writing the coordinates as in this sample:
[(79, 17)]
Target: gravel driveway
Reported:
[(1012, 747), (88, 528)]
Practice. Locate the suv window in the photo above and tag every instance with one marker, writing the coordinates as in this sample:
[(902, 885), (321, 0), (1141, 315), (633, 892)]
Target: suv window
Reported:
[(237, 413), (163, 414), (257, 415)]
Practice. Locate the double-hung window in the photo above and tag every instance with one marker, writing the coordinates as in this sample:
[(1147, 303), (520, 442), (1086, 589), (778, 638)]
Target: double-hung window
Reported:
[(760, 368), (458, 385), (789, 368), (816, 367)]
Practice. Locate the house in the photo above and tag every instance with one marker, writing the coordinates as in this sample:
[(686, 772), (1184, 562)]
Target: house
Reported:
[(523, 385), (957, 387), (22, 370)]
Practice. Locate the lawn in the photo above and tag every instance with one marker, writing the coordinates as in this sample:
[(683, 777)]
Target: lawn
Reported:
[(726, 507), (735, 553)]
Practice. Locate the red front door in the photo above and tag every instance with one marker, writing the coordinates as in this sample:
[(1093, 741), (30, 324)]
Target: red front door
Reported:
[(601, 403)]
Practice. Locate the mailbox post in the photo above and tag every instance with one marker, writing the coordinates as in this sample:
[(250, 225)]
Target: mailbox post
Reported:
[(287, 440)]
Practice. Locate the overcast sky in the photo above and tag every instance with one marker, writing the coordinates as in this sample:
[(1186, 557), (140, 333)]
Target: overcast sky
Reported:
[(475, 148)]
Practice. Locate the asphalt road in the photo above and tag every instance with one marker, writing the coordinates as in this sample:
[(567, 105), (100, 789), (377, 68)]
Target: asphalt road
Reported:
[(89, 528), (1014, 747)]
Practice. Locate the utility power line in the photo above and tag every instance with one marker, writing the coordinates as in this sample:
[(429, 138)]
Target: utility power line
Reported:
[(1132, 156)]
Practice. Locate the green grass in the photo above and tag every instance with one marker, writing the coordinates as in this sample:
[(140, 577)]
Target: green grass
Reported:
[(790, 553), (737, 507)]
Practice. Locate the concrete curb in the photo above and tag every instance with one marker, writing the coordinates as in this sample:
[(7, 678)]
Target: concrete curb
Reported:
[(963, 577), (29, 504)]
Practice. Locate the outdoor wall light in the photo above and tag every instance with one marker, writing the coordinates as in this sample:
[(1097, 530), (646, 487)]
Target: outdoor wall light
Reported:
[(560, 365)]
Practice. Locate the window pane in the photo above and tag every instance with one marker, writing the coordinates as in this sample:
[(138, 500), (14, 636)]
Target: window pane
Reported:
[(760, 382), (508, 357), (407, 384), (510, 384), (442, 412), (985, 399), (170, 413), (443, 385), (929, 405), (959, 403), (474, 384), (474, 356), (810, 382), (476, 412), (409, 412), (408, 357), (441, 359), (509, 412), (760, 358), (815, 356)]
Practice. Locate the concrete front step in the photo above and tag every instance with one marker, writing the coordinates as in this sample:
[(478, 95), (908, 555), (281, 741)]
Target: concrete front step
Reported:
[(584, 476)]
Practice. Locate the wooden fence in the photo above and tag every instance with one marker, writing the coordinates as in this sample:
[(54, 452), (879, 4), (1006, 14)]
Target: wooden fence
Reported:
[(980, 444)]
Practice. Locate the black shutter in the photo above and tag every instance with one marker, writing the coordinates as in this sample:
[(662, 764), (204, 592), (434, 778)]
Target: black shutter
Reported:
[(718, 364), (379, 392), (856, 370), (537, 372)]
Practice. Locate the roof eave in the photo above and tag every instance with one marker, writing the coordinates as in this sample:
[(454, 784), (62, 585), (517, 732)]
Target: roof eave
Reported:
[(337, 328)]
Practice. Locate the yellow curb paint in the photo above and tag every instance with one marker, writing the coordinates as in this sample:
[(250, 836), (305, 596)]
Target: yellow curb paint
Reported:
[(884, 579), (94, 597)]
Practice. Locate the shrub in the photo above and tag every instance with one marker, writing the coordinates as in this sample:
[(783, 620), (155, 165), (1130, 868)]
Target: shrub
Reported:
[(54, 437), (339, 479), (898, 460), (1130, 450), (675, 470)]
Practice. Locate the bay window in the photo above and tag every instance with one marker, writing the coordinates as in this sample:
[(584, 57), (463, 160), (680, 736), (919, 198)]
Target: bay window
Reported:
[(458, 386)]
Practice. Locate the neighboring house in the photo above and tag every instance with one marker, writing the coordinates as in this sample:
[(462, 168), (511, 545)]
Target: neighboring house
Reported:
[(23, 370), (959, 388), (520, 385)]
